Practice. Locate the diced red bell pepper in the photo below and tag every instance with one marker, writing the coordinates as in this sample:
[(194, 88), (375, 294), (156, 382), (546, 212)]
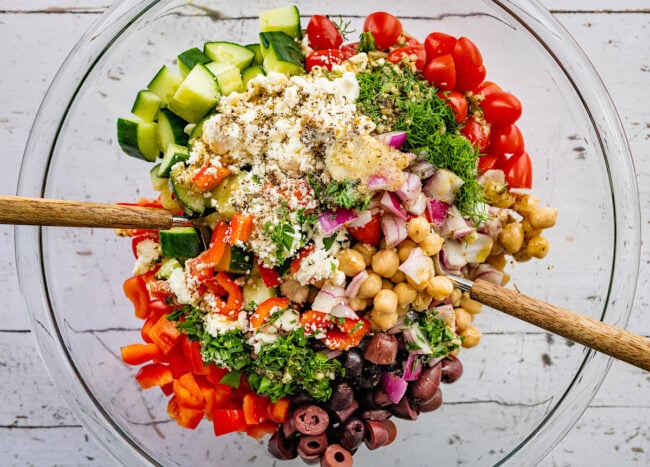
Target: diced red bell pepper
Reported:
[(192, 352), (164, 334), (235, 296), (243, 389), (270, 276), (154, 374), (168, 389), (209, 176), (137, 354), (294, 267), (261, 430), (184, 416), (265, 308), (370, 232), (177, 362), (278, 411), (135, 290), (188, 392), (314, 321), (227, 421), (157, 308), (215, 374), (241, 227), (255, 408), (223, 396)]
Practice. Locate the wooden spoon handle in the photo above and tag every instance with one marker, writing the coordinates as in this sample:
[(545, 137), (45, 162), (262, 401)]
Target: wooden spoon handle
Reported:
[(605, 338), (51, 212)]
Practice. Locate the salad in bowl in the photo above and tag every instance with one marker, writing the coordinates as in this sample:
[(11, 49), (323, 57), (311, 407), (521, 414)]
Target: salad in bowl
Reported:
[(336, 185)]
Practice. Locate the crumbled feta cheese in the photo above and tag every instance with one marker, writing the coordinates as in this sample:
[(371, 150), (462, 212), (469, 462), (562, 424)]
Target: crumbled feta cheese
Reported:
[(316, 266), (179, 286), (148, 252), (216, 324)]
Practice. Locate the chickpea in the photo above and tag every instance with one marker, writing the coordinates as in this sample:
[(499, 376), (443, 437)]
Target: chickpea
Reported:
[(512, 237), (404, 249), (455, 296), (383, 321), (385, 263), (422, 301), (370, 286), (294, 291), (525, 204), (440, 287), (497, 261), (497, 249), (418, 228), (424, 280), (402, 309), (537, 247), (471, 337), (469, 305), (529, 230), (432, 244), (543, 217), (357, 303), (386, 284), (405, 293), (398, 277), (366, 251), (521, 256), (463, 319), (351, 262), (385, 302)]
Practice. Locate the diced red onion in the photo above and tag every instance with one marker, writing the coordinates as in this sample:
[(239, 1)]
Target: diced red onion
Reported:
[(390, 202), (443, 185), (412, 367), (436, 211), (492, 225), (375, 201), (362, 219), (330, 354), (394, 230), (455, 225), (331, 221), (344, 311), (378, 183), (410, 189), (492, 175), (417, 342), (435, 361), (393, 138), (479, 249), (418, 206), (328, 297), (488, 273), (463, 231), (417, 266), (451, 256), (352, 289), (422, 169), (444, 312), (394, 386)]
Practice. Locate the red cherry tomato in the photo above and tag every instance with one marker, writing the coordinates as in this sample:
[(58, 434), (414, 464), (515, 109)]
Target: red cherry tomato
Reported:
[(369, 233), (410, 40), (441, 72), (385, 29), (348, 50), (469, 78), (323, 33), (477, 133), (439, 43), (501, 108), (518, 169), (324, 58), (487, 162), (457, 102), (506, 140), (398, 55), (466, 54), (486, 88)]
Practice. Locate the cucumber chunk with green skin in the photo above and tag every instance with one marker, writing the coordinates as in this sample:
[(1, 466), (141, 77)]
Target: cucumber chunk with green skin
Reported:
[(188, 59), (197, 131), (193, 203), (240, 260), (250, 73), (285, 19), (229, 52), (146, 105), (165, 84), (167, 267), (258, 54), (222, 195), (280, 38), (284, 60), (228, 77), (171, 130), (158, 183), (255, 292), (180, 242), (137, 138), (174, 154), (197, 95)]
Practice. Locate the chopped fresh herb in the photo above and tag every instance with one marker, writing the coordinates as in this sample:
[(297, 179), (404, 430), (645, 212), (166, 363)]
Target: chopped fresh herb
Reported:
[(232, 379), (366, 42), (344, 27), (441, 337), (329, 241), (228, 349), (306, 219)]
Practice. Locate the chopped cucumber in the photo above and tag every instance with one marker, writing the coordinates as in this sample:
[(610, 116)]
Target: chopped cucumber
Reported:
[(188, 59), (193, 203), (222, 196), (180, 242), (285, 19), (255, 292), (197, 131), (137, 138), (165, 84), (250, 73), (197, 95), (167, 267), (157, 183), (174, 154), (235, 259), (171, 129), (229, 52), (146, 105), (228, 77), (258, 54), (281, 53)]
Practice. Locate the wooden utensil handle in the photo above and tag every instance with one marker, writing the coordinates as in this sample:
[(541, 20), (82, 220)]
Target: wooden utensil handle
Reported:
[(51, 212), (592, 333)]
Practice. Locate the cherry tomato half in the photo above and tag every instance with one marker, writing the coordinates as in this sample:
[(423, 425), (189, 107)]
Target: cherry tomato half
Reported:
[(501, 108), (398, 55), (518, 169), (441, 72), (439, 43), (466, 54), (469, 78), (477, 133), (385, 29), (457, 102), (487, 162), (324, 58), (486, 88), (506, 140), (323, 33)]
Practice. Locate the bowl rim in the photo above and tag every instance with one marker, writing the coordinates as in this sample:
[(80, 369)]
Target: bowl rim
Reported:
[(530, 15)]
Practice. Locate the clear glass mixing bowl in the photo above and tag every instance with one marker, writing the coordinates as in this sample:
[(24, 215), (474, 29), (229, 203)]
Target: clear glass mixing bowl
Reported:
[(522, 389)]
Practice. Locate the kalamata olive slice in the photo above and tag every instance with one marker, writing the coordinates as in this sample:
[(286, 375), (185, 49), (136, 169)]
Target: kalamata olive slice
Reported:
[(381, 398), (452, 369), (382, 349), (434, 403), (375, 414), (392, 430), (281, 447), (289, 428), (311, 448), (351, 433), (342, 397), (426, 385), (343, 415), (336, 456), (353, 364), (311, 420), (376, 434), (405, 409)]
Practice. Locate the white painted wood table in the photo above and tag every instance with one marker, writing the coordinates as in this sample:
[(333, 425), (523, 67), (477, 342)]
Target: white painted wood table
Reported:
[(36, 427)]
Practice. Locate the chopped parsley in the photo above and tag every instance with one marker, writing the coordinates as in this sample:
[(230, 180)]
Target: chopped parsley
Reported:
[(441, 337), (343, 194)]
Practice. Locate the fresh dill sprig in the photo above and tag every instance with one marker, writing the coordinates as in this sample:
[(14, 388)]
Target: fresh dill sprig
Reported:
[(344, 27)]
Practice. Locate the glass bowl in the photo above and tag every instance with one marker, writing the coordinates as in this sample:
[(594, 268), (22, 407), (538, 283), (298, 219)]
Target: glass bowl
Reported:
[(522, 389)]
